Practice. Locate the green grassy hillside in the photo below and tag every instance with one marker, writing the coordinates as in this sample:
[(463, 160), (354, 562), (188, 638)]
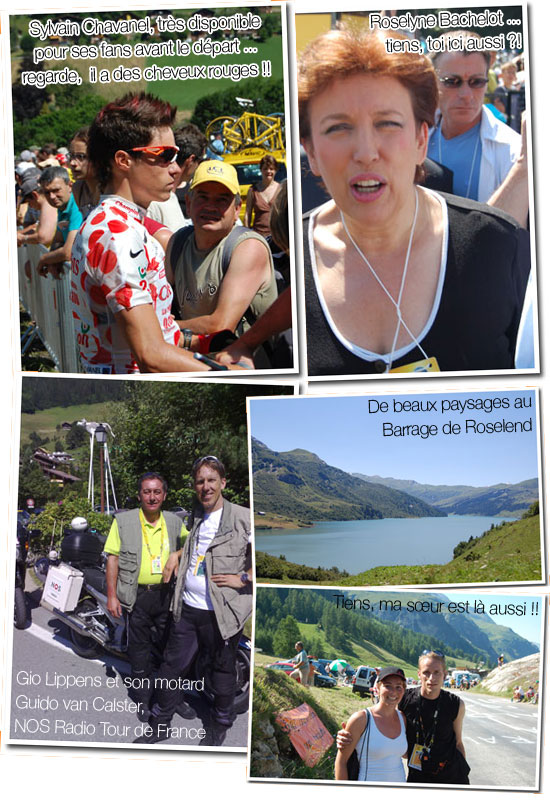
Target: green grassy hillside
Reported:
[(44, 422), (270, 50), (275, 692)]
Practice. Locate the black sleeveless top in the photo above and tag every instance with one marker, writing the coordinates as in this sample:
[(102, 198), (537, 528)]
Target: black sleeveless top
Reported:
[(476, 324), (421, 727)]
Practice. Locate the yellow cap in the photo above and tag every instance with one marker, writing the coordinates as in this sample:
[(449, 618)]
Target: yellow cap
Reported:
[(218, 171)]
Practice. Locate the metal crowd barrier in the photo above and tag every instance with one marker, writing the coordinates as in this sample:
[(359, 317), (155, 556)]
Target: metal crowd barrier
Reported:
[(47, 301)]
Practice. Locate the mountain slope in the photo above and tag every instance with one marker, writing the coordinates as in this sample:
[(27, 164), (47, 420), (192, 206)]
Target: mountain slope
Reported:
[(521, 672), (400, 623), (505, 499), (299, 484), (462, 628)]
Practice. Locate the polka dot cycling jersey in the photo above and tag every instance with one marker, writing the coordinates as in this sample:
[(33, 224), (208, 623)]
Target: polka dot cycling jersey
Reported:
[(116, 265)]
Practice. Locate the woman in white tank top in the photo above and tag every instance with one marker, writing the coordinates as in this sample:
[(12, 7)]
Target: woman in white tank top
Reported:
[(378, 734)]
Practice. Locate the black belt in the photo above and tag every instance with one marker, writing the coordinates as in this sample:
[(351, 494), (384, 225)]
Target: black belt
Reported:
[(151, 587)]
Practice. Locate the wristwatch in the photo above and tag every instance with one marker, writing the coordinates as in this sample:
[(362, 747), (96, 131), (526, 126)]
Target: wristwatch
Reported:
[(187, 338), (245, 578)]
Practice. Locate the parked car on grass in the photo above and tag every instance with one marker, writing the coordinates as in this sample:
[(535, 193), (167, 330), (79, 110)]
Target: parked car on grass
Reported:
[(324, 681), (285, 666), (320, 679)]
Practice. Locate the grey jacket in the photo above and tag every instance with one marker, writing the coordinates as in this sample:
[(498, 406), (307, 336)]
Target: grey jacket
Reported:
[(229, 553), (131, 543)]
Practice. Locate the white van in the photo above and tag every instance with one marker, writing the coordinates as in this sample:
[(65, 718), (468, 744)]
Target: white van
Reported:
[(362, 680)]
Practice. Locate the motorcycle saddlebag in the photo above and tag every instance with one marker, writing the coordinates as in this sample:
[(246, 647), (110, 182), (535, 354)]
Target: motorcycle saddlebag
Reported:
[(62, 587)]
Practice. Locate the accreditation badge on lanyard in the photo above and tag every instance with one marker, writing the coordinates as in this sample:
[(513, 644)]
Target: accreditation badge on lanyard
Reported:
[(425, 365), (416, 755), (156, 565), (156, 561), (421, 751)]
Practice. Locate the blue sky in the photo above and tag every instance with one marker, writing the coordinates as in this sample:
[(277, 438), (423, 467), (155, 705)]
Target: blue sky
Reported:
[(347, 432)]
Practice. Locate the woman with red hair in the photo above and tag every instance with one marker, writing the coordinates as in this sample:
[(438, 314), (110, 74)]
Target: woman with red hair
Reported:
[(398, 278)]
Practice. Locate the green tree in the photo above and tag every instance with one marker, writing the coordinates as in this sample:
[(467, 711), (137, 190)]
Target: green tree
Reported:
[(315, 647), (76, 436), (164, 427), (33, 483), (268, 96), (58, 126), (532, 511), (36, 440), (271, 23), (27, 43), (56, 517), (158, 426), (263, 640), (285, 637)]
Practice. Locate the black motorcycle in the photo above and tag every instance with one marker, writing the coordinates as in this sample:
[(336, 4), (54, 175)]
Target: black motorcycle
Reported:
[(24, 535)]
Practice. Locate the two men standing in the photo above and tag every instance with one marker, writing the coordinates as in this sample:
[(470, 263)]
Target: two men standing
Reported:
[(210, 604)]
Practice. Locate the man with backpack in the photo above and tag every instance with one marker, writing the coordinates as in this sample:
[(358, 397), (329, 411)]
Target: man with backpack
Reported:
[(222, 273)]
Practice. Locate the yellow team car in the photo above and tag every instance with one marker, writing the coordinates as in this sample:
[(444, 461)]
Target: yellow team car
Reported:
[(246, 140)]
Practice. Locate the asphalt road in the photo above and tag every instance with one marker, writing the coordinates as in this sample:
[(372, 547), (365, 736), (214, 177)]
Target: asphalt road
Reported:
[(57, 696), (502, 741)]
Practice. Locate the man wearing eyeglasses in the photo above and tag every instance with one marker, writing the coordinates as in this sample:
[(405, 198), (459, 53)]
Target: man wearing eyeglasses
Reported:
[(121, 299), (85, 188), (468, 139), (212, 601), (434, 717)]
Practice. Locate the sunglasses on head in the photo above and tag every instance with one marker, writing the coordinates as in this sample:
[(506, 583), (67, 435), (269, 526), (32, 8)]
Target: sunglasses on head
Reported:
[(433, 653), (204, 460), (455, 82), (165, 153)]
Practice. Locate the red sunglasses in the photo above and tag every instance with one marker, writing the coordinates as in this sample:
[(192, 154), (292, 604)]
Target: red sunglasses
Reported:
[(166, 153)]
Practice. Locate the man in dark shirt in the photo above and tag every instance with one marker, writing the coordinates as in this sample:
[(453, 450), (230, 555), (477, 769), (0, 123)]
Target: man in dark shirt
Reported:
[(434, 726)]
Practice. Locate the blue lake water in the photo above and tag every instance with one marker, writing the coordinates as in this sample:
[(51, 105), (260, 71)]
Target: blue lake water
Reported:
[(358, 545)]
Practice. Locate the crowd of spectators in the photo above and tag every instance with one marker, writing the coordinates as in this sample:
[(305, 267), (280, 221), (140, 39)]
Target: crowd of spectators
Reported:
[(126, 316)]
